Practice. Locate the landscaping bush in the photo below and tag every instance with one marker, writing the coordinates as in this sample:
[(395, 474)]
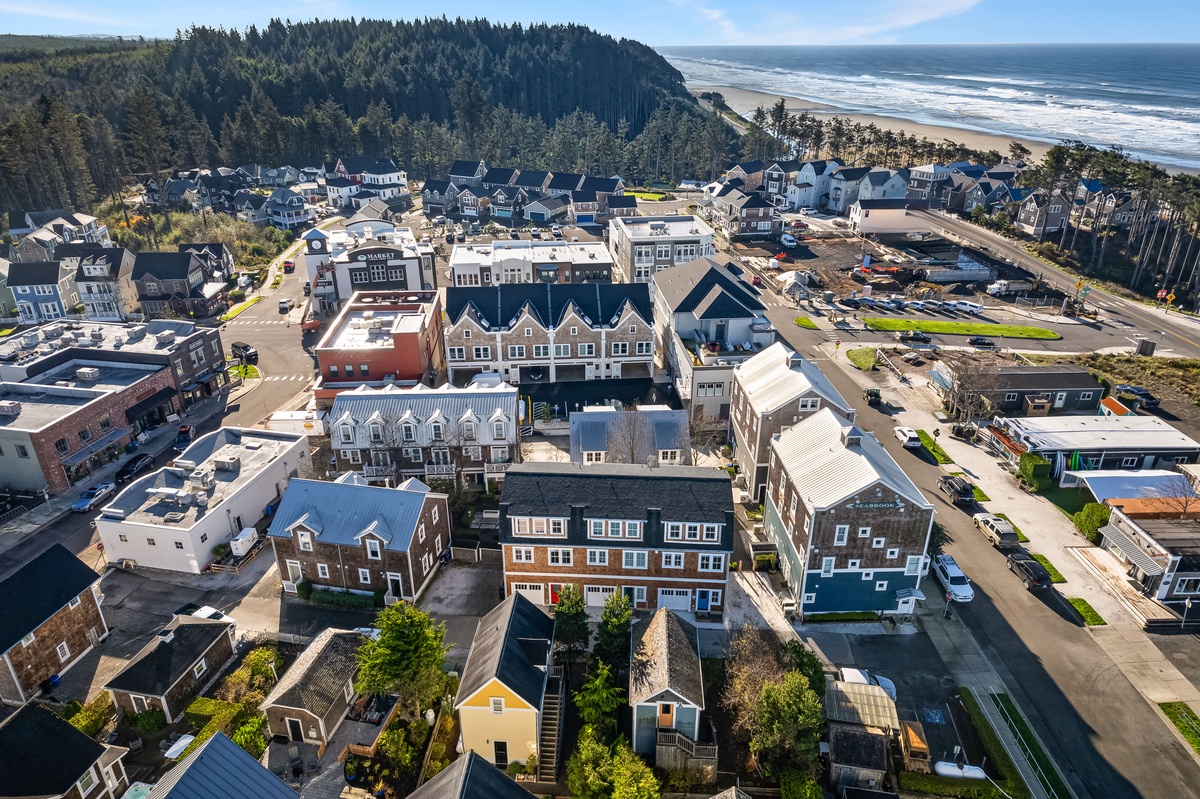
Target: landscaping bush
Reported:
[(935, 449), (1034, 470), (220, 551), (950, 786), (863, 358), (515, 768), (236, 295), (853, 615), (94, 715), (211, 716), (1055, 574), (71, 709), (805, 322), (304, 590), (764, 562), (252, 736), (340, 599), (798, 785), (530, 764), (1091, 519), (150, 721)]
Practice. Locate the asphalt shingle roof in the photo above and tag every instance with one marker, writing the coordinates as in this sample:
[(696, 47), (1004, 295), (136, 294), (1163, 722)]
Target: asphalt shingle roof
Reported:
[(318, 677), (220, 769), (43, 756), (162, 663), (33, 273), (471, 777), (499, 176), (689, 288), (500, 305), (649, 429), (666, 657), (510, 644), (163, 265), (38, 590)]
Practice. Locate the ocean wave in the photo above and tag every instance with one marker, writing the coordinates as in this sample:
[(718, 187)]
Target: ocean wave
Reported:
[(1008, 81)]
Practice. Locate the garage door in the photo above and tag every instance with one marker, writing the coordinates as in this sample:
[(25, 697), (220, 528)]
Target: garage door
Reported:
[(585, 219), (675, 598), (597, 594), (531, 591)]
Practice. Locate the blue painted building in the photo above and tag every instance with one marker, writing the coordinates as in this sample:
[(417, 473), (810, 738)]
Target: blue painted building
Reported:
[(850, 527), (43, 290)]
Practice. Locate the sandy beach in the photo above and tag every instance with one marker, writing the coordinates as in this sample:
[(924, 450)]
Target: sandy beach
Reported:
[(744, 101)]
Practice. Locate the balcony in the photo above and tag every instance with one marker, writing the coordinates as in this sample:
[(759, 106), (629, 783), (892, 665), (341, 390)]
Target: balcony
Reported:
[(439, 468), (496, 468), (378, 471), (712, 353)]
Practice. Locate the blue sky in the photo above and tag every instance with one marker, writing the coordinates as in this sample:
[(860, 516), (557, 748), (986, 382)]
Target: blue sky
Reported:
[(671, 22)]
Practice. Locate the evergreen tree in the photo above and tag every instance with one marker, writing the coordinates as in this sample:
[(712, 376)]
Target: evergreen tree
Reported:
[(790, 722), (612, 634), (145, 139), (571, 631), (406, 657), (597, 701), (470, 112)]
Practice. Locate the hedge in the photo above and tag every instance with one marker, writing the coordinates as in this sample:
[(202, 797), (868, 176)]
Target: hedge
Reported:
[(341, 599), (1089, 520), (795, 784), (853, 615), (94, 715), (1034, 470), (211, 716)]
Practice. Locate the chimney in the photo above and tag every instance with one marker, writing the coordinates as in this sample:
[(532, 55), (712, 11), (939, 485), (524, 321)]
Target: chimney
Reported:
[(576, 522), (653, 518)]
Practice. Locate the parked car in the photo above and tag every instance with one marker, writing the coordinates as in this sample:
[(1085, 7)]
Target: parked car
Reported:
[(959, 489), (439, 220), (92, 497), (289, 267), (1145, 398), (798, 225), (556, 230), (998, 531), (981, 342), (756, 281), (914, 335), (184, 438), (307, 288), (894, 303), (864, 677), (535, 233), (807, 211), (788, 240), (908, 437), (513, 234), (1032, 573), (957, 585), (241, 349), (131, 468), (851, 302), (915, 305)]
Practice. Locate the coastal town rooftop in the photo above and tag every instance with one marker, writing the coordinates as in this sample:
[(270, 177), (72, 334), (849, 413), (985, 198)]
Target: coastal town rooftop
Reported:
[(22, 353), (372, 319), (649, 227)]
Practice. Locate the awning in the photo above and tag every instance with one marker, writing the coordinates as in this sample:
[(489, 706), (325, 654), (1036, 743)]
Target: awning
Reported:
[(910, 593), (204, 378), (190, 387), (150, 403), (1132, 551), (76, 458)]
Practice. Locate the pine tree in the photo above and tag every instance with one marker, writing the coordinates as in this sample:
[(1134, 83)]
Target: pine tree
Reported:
[(571, 631), (612, 634), (145, 139)]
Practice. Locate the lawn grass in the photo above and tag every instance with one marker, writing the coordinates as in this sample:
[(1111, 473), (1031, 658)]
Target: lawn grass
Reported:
[(1055, 575), (1046, 773), (980, 496), (1068, 500), (8, 331), (653, 196), (1090, 617), (805, 322), (960, 328), (1024, 539), (246, 371), (1185, 720), (930, 443), (863, 358), (240, 308)]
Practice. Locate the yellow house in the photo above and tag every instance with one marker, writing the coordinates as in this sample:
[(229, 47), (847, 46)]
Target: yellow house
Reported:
[(510, 695)]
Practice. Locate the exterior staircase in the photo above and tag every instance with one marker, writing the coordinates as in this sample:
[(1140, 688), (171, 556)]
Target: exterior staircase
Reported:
[(550, 734)]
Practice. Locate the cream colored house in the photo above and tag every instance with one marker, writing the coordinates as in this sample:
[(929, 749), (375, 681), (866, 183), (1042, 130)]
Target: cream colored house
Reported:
[(510, 695)]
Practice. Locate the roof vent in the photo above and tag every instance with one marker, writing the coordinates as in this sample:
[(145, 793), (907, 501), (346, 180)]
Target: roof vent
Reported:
[(229, 464), (98, 334), (166, 636), (52, 331), (30, 340), (185, 465), (9, 408), (137, 332), (165, 337), (89, 373)]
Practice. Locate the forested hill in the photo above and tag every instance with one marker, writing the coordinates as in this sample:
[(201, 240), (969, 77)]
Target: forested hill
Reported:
[(76, 123)]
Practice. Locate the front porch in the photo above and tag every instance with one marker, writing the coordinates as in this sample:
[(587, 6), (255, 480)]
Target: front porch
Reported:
[(674, 750)]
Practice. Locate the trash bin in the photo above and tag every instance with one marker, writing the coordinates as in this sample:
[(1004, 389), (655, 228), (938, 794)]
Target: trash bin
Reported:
[(829, 298)]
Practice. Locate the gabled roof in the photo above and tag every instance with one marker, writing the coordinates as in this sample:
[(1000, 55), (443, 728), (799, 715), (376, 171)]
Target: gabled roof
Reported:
[(778, 375), (850, 174), (511, 644), (214, 769), (749, 167), (357, 164), (39, 218), (791, 165), (666, 658), (318, 677), (752, 200), (346, 510), (437, 186), (531, 178), (622, 201), (600, 185), (161, 663), (971, 170), (829, 459), (33, 273), (38, 590), (464, 169), (249, 198), (565, 181), (498, 306), (640, 434), (381, 167), (893, 203), (471, 777), (583, 196), (44, 756), (339, 182), (879, 177), (163, 265), (708, 289), (500, 176), (820, 167), (551, 204), (392, 402), (1092, 185)]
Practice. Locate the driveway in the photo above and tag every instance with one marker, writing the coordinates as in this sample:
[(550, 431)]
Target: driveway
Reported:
[(460, 594)]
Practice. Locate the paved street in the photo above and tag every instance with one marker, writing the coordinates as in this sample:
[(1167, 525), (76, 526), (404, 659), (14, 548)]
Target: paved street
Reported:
[(1098, 728)]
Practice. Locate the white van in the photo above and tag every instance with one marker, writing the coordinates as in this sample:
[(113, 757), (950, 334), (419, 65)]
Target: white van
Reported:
[(968, 307), (787, 240)]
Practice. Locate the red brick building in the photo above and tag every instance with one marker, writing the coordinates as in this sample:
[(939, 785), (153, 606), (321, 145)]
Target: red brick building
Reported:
[(381, 338), (51, 619)]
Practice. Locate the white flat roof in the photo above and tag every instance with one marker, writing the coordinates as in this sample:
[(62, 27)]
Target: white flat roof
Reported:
[(360, 329), (1062, 433), (584, 252), (654, 227)]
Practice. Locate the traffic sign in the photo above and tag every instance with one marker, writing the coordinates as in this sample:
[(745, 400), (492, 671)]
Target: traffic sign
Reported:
[(1079, 285), (1162, 294), (1171, 297), (1086, 291)]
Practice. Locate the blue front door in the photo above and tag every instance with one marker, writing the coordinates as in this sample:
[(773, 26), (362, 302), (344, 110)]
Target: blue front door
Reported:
[(701, 600)]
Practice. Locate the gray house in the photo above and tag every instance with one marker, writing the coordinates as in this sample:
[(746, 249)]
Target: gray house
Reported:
[(310, 702), (994, 386), (654, 434)]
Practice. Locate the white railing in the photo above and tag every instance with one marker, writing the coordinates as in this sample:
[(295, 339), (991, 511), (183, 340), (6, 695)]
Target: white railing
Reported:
[(493, 468), (378, 471), (439, 468)]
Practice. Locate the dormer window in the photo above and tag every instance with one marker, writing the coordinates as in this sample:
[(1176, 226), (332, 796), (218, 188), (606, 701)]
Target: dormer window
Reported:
[(376, 433), (409, 432), (347, 433), (373, 550), (304, 538), (498, 430), (437, 431), (469, 431)]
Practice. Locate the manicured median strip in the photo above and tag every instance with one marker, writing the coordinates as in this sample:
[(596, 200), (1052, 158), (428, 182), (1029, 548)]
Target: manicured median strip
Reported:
[(1024, 539), (1090, 617), (805, 322), (246, 371), (863, 358), (1185, 720), (236, 310), (1055, 574), (1046, 773), (980, 496), (930, 443), (960, 328)]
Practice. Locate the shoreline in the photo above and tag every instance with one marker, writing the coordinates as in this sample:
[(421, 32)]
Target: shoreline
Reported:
[(743, 101)]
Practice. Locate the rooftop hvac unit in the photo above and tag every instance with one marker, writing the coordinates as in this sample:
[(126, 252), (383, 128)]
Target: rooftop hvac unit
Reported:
[(53, 331), (10, 407), (165, 337), (368, 314), (113, 513), (62, 383), (202, 479), (137, 332), (87, 373), (174, 517), (229, 464), (97, 334), (30, 340), (201, 500), (377, 324), (187, 466)]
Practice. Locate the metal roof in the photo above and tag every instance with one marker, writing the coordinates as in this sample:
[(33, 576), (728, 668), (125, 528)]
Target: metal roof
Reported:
[(853, 703), (778, 375), (394, 402), (1086, 433), (219, 768), (1135, 553), (647, 430), (339, 513), (828, 459)]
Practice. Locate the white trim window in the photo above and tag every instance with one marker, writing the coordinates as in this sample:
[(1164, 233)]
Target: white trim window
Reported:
[(597, 557), (74, 603), (304, 539), (712, 532), (912, 565), (522, 554), (712, 563), (201, 667), (323, 571), (674, 531), (840, 534), (64, 652), (559, 557), (672, 560), (373, 550), (456, 353), (827, 566), (498, 705), (634, 559), (364, 576), (879, 543)]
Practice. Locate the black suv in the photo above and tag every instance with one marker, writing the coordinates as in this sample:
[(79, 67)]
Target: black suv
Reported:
[(1029, 570), (136, 464), (960, 490), (914, 335), (1145, 398)]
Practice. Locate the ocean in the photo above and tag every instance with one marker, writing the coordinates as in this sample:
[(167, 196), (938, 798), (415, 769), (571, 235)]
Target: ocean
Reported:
[(1144, 98)]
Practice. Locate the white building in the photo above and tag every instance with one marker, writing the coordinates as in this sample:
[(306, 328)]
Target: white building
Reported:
[(706, 321), (220, 485), (644, 245), (372, 257), (889, 216), (530, 262), (811, 188)]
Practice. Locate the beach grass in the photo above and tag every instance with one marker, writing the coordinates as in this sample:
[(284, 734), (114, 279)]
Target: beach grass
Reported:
[(930, 443), (960, 328), (805, 322), (863, 358), (1090, 617), (1024, 539), (1055, 575), (1185, 720)]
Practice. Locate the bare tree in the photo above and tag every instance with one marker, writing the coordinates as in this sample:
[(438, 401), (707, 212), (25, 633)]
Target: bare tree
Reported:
[(704, 432), (753, 661), (973, 385), (631, 439), (1177, 496)]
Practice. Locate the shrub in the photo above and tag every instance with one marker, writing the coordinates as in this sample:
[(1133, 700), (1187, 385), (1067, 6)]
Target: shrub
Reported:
[(94, 715), (395, 749), (1034, 470), (417, 733), (304, 590), (340, 599), (530, 764), (71, 710), (764, 562), (795, 784), (251, 736), (211, 716), (236, 295), (435, 767), (150, 721), (220, 551), (1090, 617), (1091, 519), (515, 768), (377, 599), (997, 755)]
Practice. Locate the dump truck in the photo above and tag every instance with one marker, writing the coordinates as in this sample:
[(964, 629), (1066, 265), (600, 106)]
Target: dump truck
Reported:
[(1003, 287)]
